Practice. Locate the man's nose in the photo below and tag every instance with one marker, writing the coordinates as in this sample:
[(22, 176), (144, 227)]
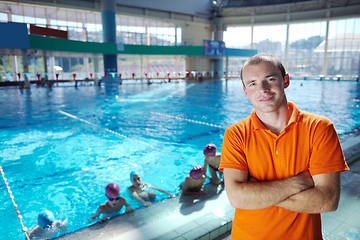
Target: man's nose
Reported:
[(265, 85)]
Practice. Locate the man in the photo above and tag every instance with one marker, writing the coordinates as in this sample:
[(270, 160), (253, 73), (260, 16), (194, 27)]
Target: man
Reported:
[(281, 165)]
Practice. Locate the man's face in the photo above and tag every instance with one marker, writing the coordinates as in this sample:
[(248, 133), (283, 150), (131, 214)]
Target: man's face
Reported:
[(264, 86)]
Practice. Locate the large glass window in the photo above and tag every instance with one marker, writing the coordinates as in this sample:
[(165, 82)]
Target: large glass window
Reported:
[(304, 38), (238, 37), (306, 46), (3, 17), (132, 30), (152, 66), (343, 48), (5, 67), (270, 39)]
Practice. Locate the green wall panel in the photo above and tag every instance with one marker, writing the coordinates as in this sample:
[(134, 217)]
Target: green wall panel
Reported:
[(163, 50), (58, 44)]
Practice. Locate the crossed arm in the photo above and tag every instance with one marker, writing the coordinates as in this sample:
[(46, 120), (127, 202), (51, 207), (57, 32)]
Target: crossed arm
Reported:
[(301, 193)]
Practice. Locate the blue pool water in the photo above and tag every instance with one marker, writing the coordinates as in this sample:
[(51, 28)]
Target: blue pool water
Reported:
[(61, 147)]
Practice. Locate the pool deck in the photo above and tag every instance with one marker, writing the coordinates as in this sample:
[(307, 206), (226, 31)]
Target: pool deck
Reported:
[(210, 216)]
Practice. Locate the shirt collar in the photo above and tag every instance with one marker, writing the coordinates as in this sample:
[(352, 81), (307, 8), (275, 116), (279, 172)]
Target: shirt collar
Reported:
[(257, 124)]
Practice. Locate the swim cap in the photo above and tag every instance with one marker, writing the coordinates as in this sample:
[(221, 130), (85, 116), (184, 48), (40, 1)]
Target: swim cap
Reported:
[(197, 172), (112, 190), (133, 173), (45, 218), (210, 150)]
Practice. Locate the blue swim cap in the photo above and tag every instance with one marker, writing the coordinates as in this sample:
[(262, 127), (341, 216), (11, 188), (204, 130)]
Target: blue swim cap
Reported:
[(45, 218), (133, 173)]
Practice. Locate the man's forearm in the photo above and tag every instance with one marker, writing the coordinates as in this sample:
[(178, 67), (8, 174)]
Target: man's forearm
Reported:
[(321, 198), (250, 195)]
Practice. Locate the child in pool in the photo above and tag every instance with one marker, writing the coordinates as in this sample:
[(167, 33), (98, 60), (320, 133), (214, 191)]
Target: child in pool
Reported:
[(114, 204), (213, 161), (47, 226), (194, 181), (139, 190)]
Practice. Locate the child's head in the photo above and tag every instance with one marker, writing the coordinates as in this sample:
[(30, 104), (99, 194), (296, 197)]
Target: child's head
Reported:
[(45, 218), (132, 174), (210, 150), (112, 190), (197, 172), (135, 178)]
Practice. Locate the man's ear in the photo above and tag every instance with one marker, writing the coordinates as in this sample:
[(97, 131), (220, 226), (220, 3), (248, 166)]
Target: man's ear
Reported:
[(245, 91), (287, 81)]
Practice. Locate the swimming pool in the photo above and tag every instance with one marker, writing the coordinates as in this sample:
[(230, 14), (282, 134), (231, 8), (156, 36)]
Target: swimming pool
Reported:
[(61, 147)]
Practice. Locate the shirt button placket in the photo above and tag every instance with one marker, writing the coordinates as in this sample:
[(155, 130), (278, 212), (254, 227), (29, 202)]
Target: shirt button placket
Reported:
[(275, 148)]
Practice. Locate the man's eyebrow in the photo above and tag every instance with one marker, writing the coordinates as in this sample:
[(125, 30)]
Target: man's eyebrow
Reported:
[(250, 81), (271, 75), (274, 74)]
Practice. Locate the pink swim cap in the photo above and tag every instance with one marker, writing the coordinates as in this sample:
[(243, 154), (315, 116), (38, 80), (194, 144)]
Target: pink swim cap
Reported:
[(197, 172), (210, 150), (112, 190)]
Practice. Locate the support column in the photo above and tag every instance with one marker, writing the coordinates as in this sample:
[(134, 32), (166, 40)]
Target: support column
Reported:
[(109, 33), (52, 67), (26, 68), (324, 68), (86, 67), (358, 78), (227, 67), (45, 63), (286, 61), (219, 28), (14, 66)]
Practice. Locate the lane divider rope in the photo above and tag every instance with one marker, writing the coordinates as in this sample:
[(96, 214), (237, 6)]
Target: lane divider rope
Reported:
[(188, 120), (107, 130), (24, 229)]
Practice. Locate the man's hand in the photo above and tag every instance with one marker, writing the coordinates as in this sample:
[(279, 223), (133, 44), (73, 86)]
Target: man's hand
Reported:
[(305, 180)]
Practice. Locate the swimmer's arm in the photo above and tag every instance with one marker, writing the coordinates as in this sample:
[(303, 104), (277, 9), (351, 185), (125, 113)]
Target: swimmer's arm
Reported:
[(205, 167), (323, 197), (61, 225), (128, 208), (31, 233), (97, 214), (104, 218), (185, 186), (137, 197), (244, 194), (160, 190)]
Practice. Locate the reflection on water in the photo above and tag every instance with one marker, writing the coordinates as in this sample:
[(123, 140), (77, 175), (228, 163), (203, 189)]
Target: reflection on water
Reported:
[(62, 163)]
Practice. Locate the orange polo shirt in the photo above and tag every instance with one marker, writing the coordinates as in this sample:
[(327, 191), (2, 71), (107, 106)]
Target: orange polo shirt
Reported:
[(308, 142)]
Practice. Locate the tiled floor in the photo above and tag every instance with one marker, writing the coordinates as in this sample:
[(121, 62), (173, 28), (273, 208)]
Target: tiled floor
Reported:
[(345, 222), (210, 216), (183, 217)]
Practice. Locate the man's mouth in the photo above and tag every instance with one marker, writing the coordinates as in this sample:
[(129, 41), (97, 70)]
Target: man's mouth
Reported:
[(265, 99)]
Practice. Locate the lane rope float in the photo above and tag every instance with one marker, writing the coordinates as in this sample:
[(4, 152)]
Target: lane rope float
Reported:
[(24, 229), (107, 130), (188, 120)]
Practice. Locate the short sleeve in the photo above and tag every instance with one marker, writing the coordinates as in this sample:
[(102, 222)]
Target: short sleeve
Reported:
[(326, 155), (233, 153)]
